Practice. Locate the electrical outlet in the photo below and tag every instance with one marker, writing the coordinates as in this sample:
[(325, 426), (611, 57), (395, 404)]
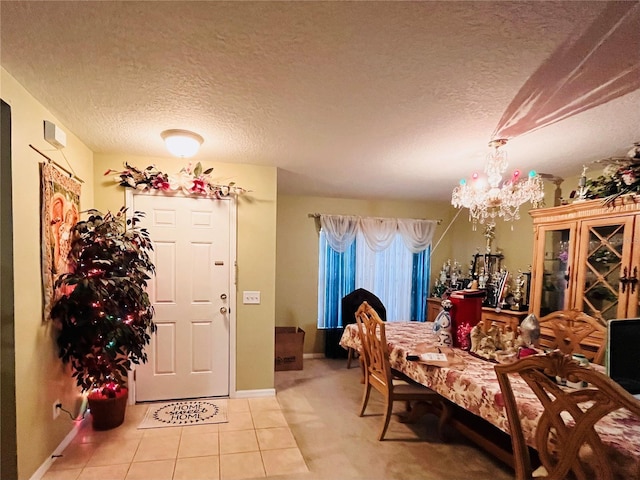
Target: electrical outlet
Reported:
[(251, 298), (57, 405)]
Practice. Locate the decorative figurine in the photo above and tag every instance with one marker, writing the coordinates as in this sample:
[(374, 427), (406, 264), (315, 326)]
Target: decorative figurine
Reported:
[(487, 348), (508, 339), (443, 325), (489, 234), (530, 331), (476, 336), (581, 193), (443, 274), (482, 280), (454, 279), (494, 333), (517, 291), (439, 288)]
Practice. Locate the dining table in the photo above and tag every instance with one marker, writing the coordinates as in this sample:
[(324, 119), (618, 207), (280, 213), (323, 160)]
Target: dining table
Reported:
[(470, 382)]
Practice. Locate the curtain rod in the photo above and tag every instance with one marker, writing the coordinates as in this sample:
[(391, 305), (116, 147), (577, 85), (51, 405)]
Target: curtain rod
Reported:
[(318, 215), (71, 174)]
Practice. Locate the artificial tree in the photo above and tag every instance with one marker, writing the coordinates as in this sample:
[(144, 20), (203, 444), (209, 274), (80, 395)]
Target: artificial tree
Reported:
[(103, 311)]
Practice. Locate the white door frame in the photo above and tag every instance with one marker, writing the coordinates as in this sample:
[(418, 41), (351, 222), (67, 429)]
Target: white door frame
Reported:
[(233, 228)]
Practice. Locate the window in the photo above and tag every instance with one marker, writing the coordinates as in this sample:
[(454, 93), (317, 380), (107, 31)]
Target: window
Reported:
[(397, 275)]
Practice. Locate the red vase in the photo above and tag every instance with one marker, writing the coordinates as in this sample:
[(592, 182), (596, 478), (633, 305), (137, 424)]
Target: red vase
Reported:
[(107, 413)]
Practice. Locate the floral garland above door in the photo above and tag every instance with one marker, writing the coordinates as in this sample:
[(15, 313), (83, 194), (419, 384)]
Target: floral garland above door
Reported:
[(190, 180)]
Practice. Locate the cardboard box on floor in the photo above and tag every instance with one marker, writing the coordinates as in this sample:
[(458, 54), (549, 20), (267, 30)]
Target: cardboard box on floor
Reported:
[(289, 345)]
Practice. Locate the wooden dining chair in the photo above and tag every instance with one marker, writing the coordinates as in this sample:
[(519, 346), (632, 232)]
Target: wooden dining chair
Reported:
[(573, 331), (350, 304), (364, 355), (379, 374), (565, 438)]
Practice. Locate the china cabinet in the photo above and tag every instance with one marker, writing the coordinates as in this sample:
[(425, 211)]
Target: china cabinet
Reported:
[(587, 256)]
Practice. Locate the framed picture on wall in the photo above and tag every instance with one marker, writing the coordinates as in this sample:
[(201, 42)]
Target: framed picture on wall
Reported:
[(60, 207)]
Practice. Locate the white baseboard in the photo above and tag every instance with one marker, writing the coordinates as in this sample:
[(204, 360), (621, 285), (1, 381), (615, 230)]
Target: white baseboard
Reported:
[(265, 392), (313, 355), (38, 474)]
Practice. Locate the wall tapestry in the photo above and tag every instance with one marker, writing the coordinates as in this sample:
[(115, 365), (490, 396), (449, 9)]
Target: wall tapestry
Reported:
[(60, 202)]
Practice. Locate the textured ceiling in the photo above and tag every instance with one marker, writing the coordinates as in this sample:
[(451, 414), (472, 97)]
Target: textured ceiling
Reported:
[(349, 99)]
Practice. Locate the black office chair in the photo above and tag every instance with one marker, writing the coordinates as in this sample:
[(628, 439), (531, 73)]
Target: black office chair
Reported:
[(350, 305)]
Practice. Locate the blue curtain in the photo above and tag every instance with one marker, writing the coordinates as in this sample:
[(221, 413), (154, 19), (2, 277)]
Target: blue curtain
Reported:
[(339, 280), (420, 285)]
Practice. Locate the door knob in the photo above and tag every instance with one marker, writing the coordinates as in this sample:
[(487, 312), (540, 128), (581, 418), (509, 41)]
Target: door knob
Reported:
[(223, 296), (223, 310)]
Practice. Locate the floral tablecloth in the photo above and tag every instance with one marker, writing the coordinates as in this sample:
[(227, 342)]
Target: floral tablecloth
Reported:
[(473, 385)]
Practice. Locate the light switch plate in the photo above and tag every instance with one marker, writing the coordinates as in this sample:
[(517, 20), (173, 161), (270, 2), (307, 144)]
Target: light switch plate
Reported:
[(251, 297)]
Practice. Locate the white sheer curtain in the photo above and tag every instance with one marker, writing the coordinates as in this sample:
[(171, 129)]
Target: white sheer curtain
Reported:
[(340, 230), (384, 255), (388, 274), (379, 233), (417, 234)]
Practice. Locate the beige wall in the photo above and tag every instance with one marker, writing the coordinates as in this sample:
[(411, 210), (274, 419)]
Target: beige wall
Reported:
[(256, 250), (40, 376), (297, 247), (513, 239), (297, 252)]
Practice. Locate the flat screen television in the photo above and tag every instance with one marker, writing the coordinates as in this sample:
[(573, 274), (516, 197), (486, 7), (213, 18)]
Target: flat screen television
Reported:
[(623, 353)]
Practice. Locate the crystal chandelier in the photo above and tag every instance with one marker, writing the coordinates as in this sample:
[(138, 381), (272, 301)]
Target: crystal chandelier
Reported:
[(491, 196)]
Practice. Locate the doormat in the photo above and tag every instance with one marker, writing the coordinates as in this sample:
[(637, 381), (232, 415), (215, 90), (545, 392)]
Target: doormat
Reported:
[(184, 413)]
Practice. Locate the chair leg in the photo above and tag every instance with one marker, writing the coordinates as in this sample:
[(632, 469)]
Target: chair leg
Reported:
[(365, 399), (387, 417), (349, 357)]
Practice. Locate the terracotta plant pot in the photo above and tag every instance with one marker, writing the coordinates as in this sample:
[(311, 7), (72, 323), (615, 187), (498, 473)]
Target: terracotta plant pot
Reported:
[(107, 413)]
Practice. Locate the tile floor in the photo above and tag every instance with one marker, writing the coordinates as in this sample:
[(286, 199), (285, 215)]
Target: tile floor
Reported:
[(310, 431), (256, 442)]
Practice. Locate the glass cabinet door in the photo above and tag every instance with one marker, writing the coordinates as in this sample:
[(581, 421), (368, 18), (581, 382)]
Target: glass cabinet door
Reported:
[(555, 286), (554, 261), (605, 253)]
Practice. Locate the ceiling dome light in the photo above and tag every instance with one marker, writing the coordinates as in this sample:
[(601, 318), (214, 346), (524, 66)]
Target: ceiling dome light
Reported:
[(182, 143)]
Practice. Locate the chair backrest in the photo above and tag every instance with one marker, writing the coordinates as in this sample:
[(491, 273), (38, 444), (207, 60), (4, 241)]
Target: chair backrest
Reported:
[(565, 437), (573, 331), (365, 350), (352, 301), (375, 345)]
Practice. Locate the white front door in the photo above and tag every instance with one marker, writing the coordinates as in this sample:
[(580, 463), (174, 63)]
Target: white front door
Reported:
[(188, 356)]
